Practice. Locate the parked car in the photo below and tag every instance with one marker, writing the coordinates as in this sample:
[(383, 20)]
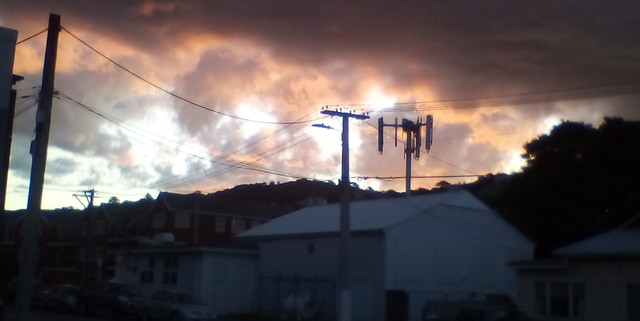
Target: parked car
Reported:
[(11, 290), (111, 298), (62, 297), (176, 305), (491, 314)]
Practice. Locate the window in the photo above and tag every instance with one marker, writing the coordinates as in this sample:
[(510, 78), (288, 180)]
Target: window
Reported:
[(158, 220), (633, 301), (182, 220), (170, 274), (8, 233), (64, 233), (98, 254), (82, 253), (22, 229), (560, 300), (237, 225), (142, 226), (311, 248), (101, 227), (220, 224), (146, 277)]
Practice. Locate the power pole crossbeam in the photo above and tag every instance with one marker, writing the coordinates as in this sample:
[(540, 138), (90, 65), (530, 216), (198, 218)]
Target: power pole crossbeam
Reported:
[(344, 277)]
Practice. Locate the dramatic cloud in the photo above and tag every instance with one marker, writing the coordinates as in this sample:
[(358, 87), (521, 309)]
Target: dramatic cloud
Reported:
[(493, 74)]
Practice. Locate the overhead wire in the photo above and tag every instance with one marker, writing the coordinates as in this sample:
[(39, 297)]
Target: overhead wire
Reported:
[(627, 87), (234, 152), (188, 101), (37, 34), (229, 163)]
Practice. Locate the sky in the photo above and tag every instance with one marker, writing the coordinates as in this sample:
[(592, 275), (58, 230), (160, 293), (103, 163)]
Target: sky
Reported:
[(185, 96)]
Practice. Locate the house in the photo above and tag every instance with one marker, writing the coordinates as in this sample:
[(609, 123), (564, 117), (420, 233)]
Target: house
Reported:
[(407, 255), (188, 245), (595, 279)]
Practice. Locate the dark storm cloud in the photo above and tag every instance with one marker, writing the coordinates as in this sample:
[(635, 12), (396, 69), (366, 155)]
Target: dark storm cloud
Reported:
[(287, 58)]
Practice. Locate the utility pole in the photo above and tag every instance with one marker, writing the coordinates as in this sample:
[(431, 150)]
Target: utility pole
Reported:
[(8, 38), (38, 165), (414, 141), (344, 278), (88, 251)]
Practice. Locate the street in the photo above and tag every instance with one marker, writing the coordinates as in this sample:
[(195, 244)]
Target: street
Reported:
[(39, 315)]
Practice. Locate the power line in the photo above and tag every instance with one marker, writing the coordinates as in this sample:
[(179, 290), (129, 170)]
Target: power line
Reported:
[(585, 90), (390, 178), (182, 98), (239, 165), (37, 34), (236, 151)]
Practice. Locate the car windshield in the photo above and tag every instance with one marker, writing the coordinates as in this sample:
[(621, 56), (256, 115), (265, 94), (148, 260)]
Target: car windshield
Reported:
[(186, 298), (124, 289)]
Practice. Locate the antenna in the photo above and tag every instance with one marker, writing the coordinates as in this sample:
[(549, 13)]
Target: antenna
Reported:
[(429, 134), (414, 139)]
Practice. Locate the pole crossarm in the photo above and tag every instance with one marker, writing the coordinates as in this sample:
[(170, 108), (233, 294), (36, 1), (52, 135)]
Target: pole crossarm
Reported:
[(341, 114)]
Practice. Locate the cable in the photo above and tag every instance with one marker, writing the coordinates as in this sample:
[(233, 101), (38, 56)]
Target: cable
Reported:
[(185, 99), (390, 178), (236, 151), (471, 99), (242, 165), (37, 34)]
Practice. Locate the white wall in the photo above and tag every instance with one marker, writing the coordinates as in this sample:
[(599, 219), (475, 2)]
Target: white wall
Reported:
[(452, 252), (229, 282), (291, 257), (225, 281)]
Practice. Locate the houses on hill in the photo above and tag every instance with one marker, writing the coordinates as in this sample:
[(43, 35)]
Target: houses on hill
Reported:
[(65, 234)]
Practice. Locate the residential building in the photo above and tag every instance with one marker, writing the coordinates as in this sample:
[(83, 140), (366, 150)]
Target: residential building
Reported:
[(592, 280)]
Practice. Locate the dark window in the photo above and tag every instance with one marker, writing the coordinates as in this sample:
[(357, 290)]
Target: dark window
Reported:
[(633, 302), (171, 262), (311, 248), (152, 261), (146, 277), (170, 277), (560, 299)]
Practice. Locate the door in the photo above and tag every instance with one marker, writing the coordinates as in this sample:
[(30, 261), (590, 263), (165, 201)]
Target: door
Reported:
[(397, 305)]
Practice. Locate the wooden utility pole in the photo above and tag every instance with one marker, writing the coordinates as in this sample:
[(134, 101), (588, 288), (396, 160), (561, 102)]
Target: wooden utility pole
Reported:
[(344, 278), (91, 226), (38, 164)]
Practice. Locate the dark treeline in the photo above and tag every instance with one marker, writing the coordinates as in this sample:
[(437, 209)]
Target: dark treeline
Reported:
[(578, 181)]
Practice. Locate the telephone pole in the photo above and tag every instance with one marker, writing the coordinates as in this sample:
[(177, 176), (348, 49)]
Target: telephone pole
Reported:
[(91, 222), (38, 165), (344, 278)]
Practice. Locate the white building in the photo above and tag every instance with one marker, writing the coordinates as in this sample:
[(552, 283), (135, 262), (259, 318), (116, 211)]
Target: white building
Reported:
[(404, 252), (224, 277)]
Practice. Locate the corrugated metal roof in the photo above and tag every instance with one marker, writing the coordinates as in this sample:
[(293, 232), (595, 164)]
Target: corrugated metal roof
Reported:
[(623, 241), (381, 214)]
